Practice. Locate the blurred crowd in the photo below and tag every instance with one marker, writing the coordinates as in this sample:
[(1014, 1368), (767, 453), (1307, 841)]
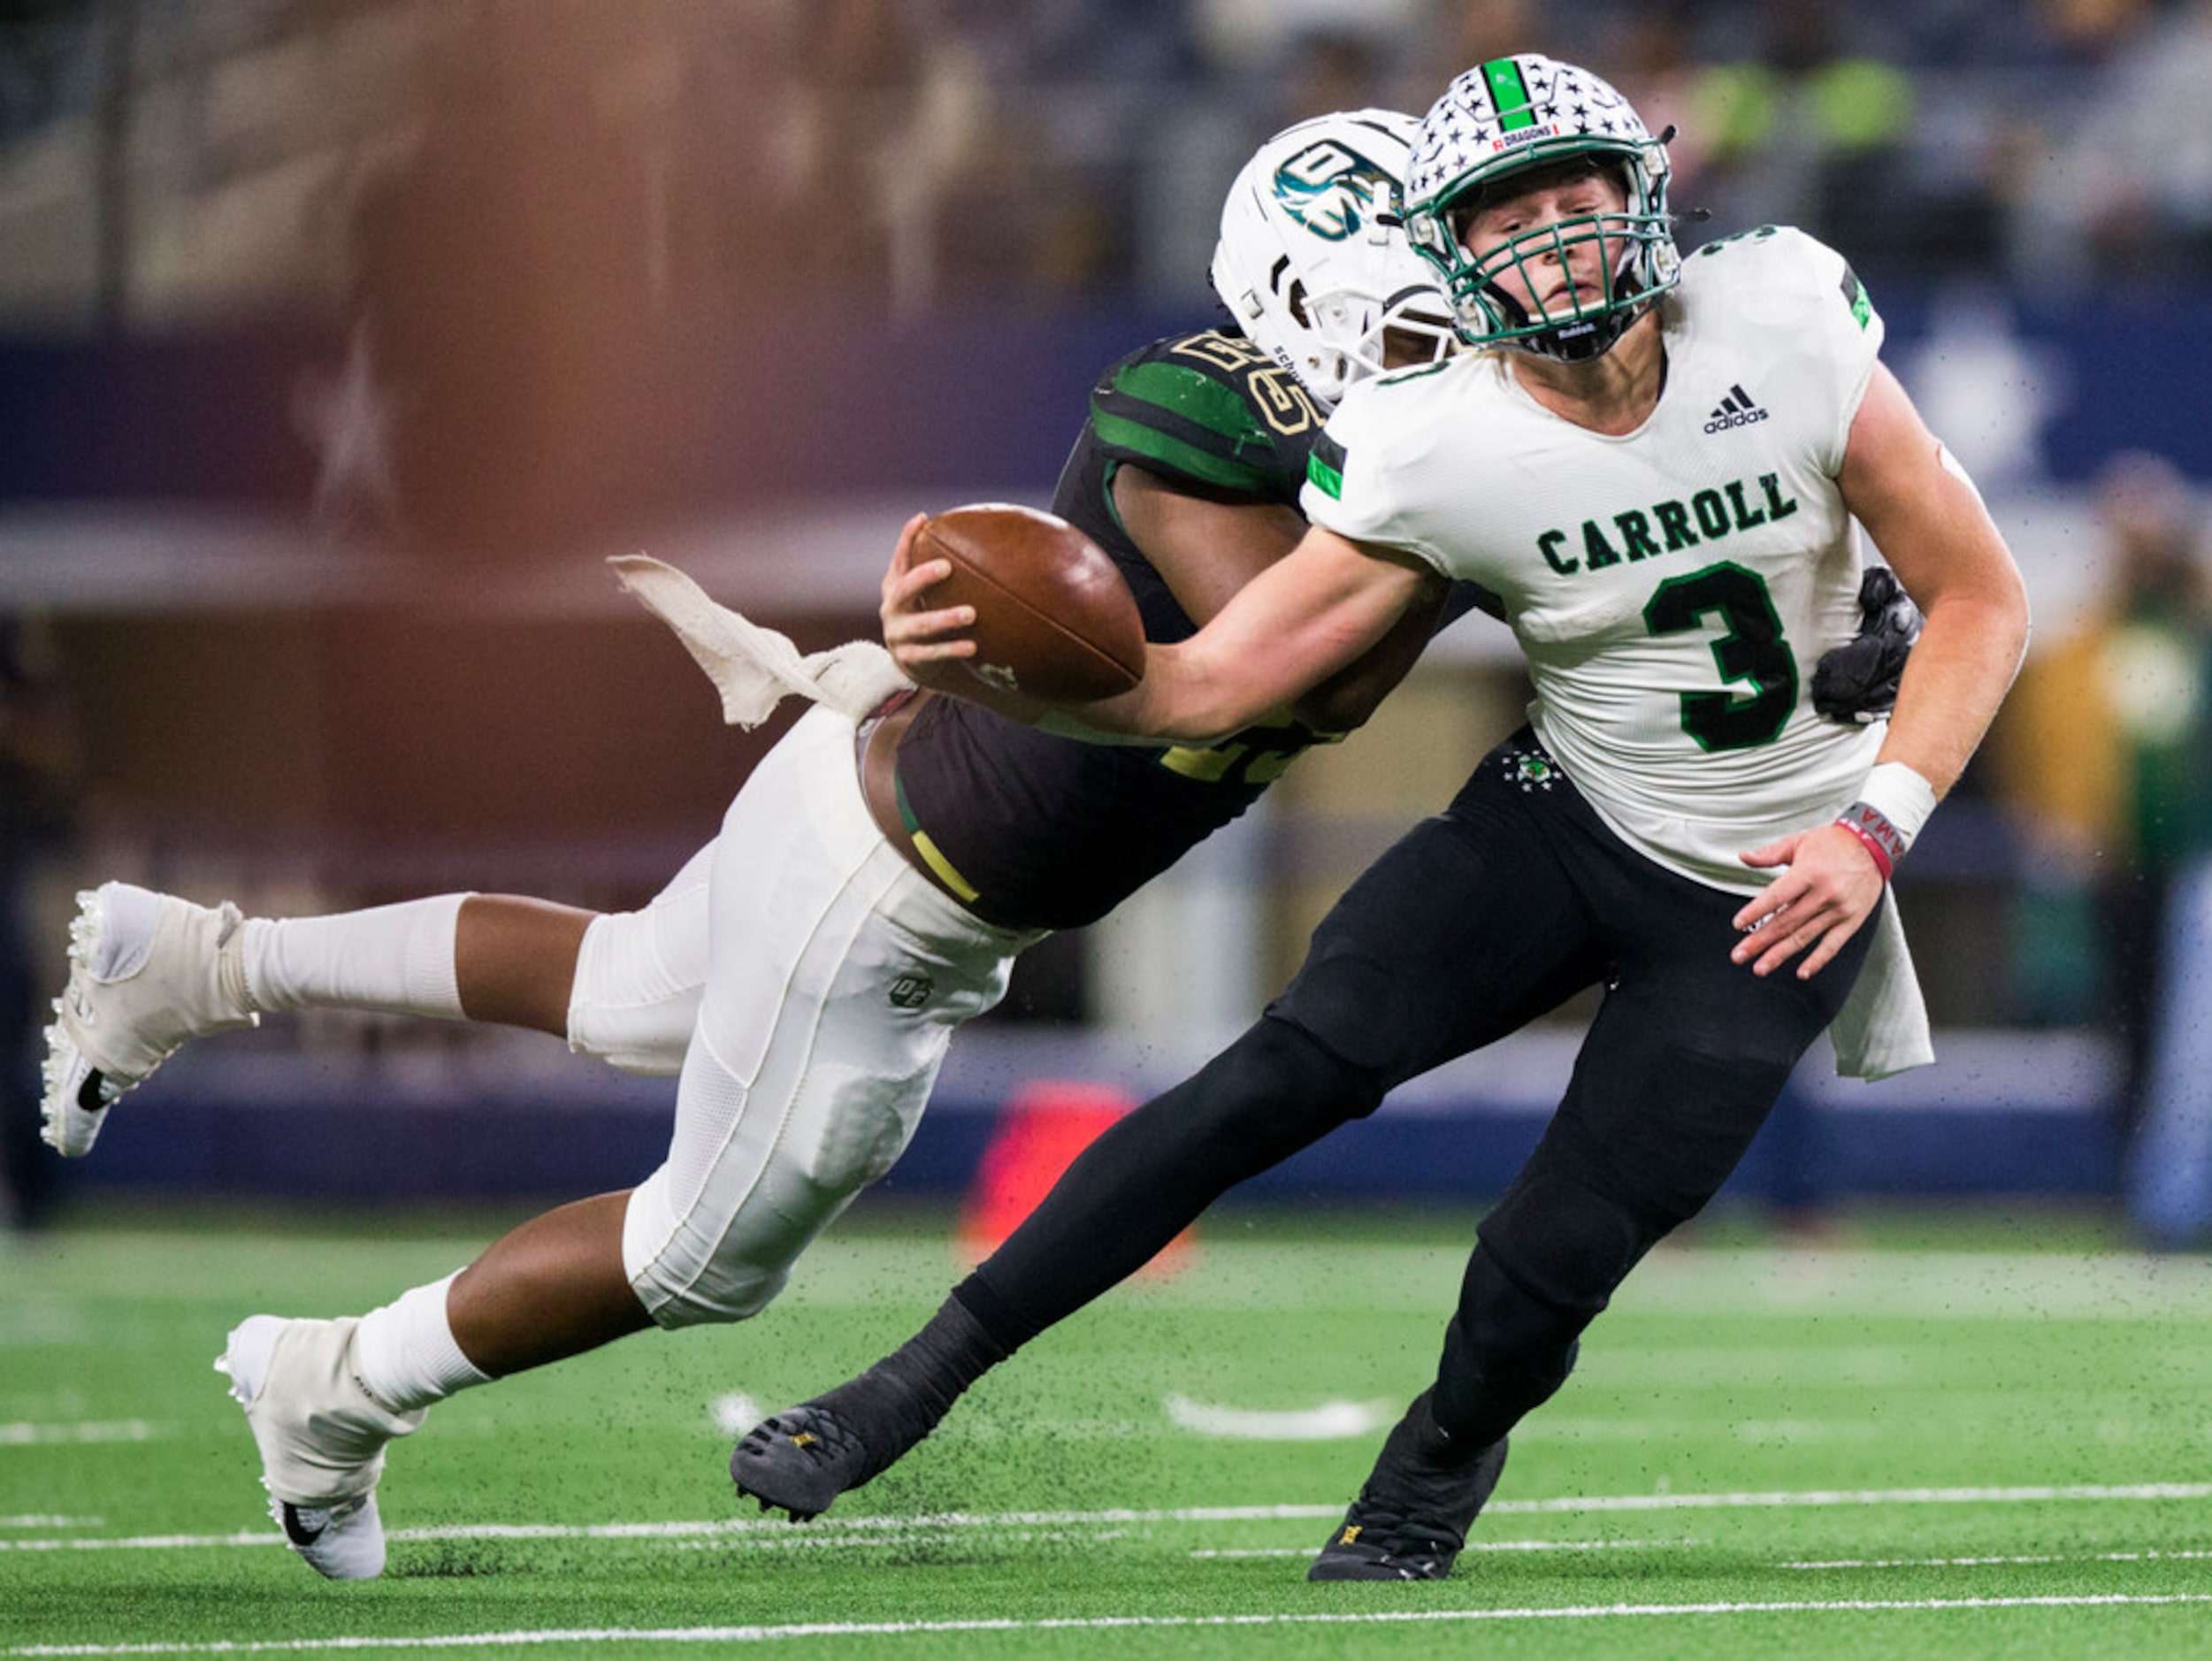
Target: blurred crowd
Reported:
[(933, 151), (502, 203), (2102, 757)]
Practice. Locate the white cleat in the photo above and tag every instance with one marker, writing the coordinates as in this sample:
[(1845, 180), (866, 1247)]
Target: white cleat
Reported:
[(340, 1542), (148, 972), (322, 1438)]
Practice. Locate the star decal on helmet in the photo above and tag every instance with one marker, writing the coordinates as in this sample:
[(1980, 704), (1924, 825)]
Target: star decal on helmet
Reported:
[(1494, 122)]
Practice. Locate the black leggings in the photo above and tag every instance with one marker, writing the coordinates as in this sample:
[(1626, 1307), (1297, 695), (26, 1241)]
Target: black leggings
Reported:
[(1146, 1179), (1474, 922)]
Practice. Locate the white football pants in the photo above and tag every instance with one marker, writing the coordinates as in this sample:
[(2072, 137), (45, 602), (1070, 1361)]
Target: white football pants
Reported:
[(816, 978)]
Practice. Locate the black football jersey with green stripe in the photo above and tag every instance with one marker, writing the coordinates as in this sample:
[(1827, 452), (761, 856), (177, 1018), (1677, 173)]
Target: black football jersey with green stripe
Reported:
[(1049, 832)]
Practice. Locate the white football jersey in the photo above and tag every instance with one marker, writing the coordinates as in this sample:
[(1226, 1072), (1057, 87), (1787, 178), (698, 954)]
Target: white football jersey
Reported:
[(1673, 587)]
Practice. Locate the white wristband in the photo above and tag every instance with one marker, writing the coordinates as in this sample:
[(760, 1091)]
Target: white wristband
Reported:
[(1900, 796)]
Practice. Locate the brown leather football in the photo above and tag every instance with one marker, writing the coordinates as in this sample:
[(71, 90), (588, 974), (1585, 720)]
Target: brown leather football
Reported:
[(1054, 619)]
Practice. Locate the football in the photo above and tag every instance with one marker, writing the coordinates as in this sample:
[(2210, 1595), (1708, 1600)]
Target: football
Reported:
[(1054, 619)]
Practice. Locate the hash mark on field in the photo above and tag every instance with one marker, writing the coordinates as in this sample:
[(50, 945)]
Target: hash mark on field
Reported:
[(24, 1435), (735, 1414), (1331, 1421), (1108, 1623)]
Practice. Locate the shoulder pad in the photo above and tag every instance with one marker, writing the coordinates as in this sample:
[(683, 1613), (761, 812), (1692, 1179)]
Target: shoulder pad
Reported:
[(1210, 408), (1778, 258)]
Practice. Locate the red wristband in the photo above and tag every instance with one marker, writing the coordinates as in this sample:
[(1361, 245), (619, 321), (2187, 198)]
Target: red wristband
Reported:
[(1882, 861), (1880, 838)]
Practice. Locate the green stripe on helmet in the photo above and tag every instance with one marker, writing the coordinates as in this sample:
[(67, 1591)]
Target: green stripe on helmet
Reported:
[(1510, 92)]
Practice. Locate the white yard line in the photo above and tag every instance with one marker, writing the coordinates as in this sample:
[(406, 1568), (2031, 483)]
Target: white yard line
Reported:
[(1820, 1498), (1204, 1552), (1103, 1623), (945, 1521), (1983, 1563)]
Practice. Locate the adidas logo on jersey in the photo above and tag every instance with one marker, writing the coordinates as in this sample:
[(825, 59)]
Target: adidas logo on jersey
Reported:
[(1737, 409)]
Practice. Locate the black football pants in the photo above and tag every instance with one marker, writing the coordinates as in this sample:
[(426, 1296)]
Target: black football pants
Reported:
[(1473, 923)]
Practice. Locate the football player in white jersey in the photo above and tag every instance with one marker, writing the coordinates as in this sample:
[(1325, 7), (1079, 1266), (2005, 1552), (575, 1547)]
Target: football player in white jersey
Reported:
[(1655, 463), (804, 972)]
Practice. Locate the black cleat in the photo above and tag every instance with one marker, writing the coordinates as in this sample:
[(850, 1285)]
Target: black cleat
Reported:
[(1412, 1518), (800, 1460), (806, 1456)]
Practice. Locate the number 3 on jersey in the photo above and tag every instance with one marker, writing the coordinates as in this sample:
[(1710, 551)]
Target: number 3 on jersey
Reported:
[(1752, 650)]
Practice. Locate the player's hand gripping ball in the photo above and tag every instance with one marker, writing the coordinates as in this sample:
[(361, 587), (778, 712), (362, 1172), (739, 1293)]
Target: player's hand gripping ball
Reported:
[(1054, 619)]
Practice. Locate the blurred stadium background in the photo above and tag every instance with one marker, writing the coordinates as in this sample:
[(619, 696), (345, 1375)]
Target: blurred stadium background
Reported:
[(340, 340)]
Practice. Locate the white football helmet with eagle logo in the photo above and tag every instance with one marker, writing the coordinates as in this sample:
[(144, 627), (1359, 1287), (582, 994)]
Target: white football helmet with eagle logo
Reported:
[(1500, 120), (1312, 262)]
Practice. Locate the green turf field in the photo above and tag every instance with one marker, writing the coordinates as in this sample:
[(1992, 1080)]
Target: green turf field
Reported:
[(1992, 1438)]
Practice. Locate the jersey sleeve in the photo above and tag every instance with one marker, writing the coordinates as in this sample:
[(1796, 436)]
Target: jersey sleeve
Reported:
[(1846, 319), (1827, 334), (1361, 480), (1208, 410)]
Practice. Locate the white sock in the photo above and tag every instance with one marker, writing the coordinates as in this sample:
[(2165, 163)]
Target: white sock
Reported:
[(397, 959), (407, 1352)]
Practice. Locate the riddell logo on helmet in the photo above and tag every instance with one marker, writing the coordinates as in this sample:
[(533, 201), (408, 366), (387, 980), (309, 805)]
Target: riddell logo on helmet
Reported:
[(1526, 136)]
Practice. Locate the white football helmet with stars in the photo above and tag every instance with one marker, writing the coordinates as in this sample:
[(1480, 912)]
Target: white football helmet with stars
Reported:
[(1500, 120), (1312, 262)]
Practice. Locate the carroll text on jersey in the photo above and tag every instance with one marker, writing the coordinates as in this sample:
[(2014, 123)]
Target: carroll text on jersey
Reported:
[(1668, 527)]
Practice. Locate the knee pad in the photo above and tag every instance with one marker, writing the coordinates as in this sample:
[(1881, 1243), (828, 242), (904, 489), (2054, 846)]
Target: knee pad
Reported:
[(1352, 1005), (1276, 1089), (684, 1280), (752, 1181), (639, 977), (1567, 1239)]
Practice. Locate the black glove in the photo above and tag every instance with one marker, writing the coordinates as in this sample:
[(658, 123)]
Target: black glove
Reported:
[(1857, 682)]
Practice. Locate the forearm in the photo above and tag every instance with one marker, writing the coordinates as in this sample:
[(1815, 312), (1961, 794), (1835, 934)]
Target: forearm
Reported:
[(1292, 628), (1188, 696), (1346, 698), (1932, 525), (1179, 700), (1957, 676)]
